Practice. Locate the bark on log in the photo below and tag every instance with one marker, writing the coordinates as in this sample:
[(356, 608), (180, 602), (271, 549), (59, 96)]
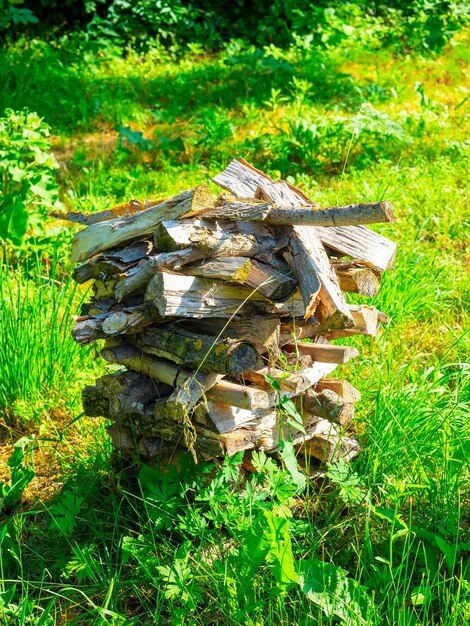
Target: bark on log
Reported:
[(223, 391), (138, 277), (324, 353), (297, 215), (268, 281), (261, 331), (196, 351), (131, 445), (226, 417), (176, 295), (221, 239), (327, 444), (102, 266), (106, 235)]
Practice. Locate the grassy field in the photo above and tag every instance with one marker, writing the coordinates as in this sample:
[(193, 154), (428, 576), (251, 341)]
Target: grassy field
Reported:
[(387, 542)]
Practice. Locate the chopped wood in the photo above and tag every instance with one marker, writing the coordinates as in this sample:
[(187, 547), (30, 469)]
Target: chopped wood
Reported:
[(137, 278), (343, 388), (106, 235), (226, 417), (325, 404), (327, 444), (176, 295), (295, 382), (267, 280), (197, 351), (324, 353), (220, 239), (122, 210), (356, 277)]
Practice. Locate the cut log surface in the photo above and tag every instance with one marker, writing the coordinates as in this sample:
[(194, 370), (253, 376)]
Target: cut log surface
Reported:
[(196, 351), (220, 239), (226, 417), (266, 279), (176, 295), (295, 382), (106, 235)]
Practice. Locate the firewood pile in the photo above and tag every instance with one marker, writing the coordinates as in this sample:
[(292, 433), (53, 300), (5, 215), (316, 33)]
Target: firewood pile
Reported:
[(221, 311)]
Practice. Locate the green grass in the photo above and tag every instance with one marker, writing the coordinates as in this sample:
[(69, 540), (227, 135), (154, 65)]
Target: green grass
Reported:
[(95, 549)]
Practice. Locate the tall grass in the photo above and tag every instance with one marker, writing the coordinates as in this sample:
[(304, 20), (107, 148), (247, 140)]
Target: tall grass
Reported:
[(38, 356)]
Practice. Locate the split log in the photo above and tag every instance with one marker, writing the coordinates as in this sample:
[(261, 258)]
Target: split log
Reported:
[(138, 277), (200, 352), (356, 277), (325, 404), (87, 330), (360, 243), (221, 239), (296, 215), (226, 417), (102, 266), (106, 235), (176, 295), (324, 353), (268, 281), (317, 281), (223, 391), (343, 388)]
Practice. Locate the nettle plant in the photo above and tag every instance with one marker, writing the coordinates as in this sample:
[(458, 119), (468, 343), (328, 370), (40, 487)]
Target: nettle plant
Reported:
[(28, 175)]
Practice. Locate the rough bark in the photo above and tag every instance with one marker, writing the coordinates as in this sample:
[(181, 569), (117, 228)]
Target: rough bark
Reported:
[(327, 405), (343, 388), (324, 353), (197, 351), (356, 277)]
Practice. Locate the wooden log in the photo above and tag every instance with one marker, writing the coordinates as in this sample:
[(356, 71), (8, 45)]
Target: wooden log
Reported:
[(357, 242), (343, 388), (327, 444), (324, 353), (87, 330), (122, 394), (122, 210), (297, 215), (294, 382), (325, 404), (128, 321), (267, 280), (106, 235), (223, 391), (102, 266), (261, 331), (138, 277), (317, 281), (176, 295), (196, 351), (366, 322), (221, 239), (226, 417), (356, 277)]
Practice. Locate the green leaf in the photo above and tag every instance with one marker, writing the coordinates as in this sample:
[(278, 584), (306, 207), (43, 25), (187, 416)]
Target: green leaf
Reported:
[(273, 382), (287, 452), (134, 137), (337, 595), (65, 511), (169, 144)]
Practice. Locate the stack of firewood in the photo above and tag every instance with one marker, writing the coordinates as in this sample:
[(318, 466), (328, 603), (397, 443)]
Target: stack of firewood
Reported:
[(220, 313)]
